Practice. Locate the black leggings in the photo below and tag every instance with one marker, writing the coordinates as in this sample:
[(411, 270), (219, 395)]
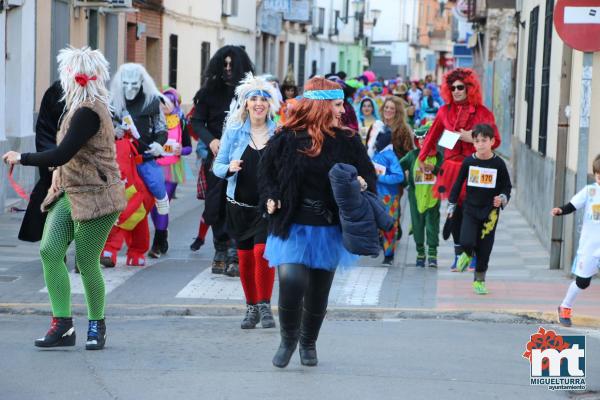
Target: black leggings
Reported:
[(474, 244), (457, 218), (299, 285)]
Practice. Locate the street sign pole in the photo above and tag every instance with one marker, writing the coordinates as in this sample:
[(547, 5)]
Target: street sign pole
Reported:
[(584, 130)]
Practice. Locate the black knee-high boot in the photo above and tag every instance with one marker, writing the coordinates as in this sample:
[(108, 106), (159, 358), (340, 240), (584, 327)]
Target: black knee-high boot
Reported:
[(289, 324), (309, 332)]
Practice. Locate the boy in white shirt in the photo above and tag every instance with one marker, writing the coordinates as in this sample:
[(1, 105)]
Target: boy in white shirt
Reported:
[(588, 253)]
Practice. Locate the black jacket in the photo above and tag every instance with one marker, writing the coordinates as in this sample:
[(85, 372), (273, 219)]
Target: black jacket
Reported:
[(46, 127), (290, 176), (361, 213)]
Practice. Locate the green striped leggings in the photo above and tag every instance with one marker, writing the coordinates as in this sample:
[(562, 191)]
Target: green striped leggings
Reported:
[(89, 236)]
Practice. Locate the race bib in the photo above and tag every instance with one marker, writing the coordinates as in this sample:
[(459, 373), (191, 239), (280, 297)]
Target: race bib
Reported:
[(424, 178), (169, 147), (595, 212), (482, 177)]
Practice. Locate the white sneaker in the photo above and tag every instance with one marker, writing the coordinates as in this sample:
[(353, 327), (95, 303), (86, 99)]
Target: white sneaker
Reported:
[(162, 205)]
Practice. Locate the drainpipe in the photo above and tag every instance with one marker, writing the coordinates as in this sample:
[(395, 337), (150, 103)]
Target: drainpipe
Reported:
[(561, 156)]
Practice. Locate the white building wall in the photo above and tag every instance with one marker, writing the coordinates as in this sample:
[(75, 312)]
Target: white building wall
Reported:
[(17, 92), (193, 23), (240, 30)]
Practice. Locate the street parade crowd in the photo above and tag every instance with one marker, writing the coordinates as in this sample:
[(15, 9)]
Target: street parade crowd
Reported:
[(298, 180)]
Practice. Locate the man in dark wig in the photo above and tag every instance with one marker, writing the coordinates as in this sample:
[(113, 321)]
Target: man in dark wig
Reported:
[(223, 73)]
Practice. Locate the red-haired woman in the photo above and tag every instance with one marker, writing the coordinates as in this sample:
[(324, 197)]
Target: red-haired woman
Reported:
[(305, 238), (463, 110)]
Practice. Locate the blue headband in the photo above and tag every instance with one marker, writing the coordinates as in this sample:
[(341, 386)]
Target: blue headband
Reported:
[(334, 94), (258, 92)]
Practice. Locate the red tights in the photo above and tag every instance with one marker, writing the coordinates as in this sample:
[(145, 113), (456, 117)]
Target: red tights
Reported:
[(256, 276)]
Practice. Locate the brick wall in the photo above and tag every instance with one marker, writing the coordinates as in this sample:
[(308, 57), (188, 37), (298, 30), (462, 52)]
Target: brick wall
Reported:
[(147, 50)]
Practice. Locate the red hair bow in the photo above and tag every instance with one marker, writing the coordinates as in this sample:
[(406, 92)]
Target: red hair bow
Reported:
[(83, 79)]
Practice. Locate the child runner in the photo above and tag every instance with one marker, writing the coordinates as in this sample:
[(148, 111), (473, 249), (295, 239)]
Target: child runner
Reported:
[(488, 189), (588, 253), (424, 206), (389, 177)]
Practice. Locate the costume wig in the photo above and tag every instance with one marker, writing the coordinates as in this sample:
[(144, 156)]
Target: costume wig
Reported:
[(471, 81), (401, 134), (237, 112), (83, 75), (317, 117), (171, 95), (240, 65), (148, 86)]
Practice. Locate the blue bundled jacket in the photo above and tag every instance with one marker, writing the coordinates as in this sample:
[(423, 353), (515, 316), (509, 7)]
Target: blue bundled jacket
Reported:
[(362, 214), (388, 184)]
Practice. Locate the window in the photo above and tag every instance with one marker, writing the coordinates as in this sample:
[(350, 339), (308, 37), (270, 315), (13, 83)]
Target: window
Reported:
[(321, 19), (204, 58), (333, 65), (346, 11), (291, 54), (60, 33), (173, 61), (93, 29), (530, 77), (313, 68), (301, 64), (543, 134)]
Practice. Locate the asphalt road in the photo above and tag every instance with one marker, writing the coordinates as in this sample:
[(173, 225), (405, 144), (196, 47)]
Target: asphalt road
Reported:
[(158, 357)]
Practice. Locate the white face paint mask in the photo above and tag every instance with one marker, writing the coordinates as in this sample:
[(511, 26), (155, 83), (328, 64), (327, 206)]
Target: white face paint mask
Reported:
[(131, 79)]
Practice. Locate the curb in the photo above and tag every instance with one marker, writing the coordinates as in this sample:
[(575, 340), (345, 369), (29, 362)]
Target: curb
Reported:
[(338, 313)]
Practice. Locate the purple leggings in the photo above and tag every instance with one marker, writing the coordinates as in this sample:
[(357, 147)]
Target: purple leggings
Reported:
[(161, 222)]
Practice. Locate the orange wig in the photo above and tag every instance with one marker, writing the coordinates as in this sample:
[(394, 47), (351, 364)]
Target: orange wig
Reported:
[(314, 116), (471, 81)]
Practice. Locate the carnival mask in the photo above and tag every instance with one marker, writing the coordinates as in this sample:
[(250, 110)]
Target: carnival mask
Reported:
[(131, 79)]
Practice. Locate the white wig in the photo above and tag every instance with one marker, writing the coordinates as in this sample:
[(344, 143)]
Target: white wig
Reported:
[(83, 75), (148, 86), (237, 111)]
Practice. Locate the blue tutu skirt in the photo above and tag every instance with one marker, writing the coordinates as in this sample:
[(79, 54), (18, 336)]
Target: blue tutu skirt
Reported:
[(318, 247)]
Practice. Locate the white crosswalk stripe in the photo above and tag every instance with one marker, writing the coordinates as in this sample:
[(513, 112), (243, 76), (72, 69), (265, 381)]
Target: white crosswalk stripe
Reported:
[(358, 287), (207, 285)]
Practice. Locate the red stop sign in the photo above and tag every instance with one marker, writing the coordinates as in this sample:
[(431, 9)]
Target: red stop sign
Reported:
[(578, 23)]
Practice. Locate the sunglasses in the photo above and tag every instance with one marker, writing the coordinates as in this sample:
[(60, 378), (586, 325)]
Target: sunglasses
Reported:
[(458, 87)]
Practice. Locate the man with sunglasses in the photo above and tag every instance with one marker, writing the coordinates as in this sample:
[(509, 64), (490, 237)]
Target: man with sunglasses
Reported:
[(461, 90)]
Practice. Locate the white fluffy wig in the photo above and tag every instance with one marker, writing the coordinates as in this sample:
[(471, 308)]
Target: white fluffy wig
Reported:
[(116, 86), (237, 111), (83, 75)]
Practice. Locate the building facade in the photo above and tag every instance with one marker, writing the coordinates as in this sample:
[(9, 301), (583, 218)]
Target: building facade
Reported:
[(30, 66), (552, 155)]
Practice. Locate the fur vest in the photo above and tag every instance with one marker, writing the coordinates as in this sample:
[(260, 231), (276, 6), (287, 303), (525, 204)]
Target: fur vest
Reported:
[(91, 178)]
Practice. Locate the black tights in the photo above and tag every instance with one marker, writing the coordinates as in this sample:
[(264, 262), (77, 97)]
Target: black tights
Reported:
[(299, 285), (457, 218)]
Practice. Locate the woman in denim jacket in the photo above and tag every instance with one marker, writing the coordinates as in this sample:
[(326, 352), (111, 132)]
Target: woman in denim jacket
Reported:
[(248, 127)]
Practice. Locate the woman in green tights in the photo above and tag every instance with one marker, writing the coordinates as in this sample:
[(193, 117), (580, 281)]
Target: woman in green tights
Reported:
[(86, 194)]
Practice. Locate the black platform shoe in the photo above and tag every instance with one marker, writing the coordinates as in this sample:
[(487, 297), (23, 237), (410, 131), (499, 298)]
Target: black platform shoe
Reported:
[(61, 333), (289, 325), (96, 336)]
